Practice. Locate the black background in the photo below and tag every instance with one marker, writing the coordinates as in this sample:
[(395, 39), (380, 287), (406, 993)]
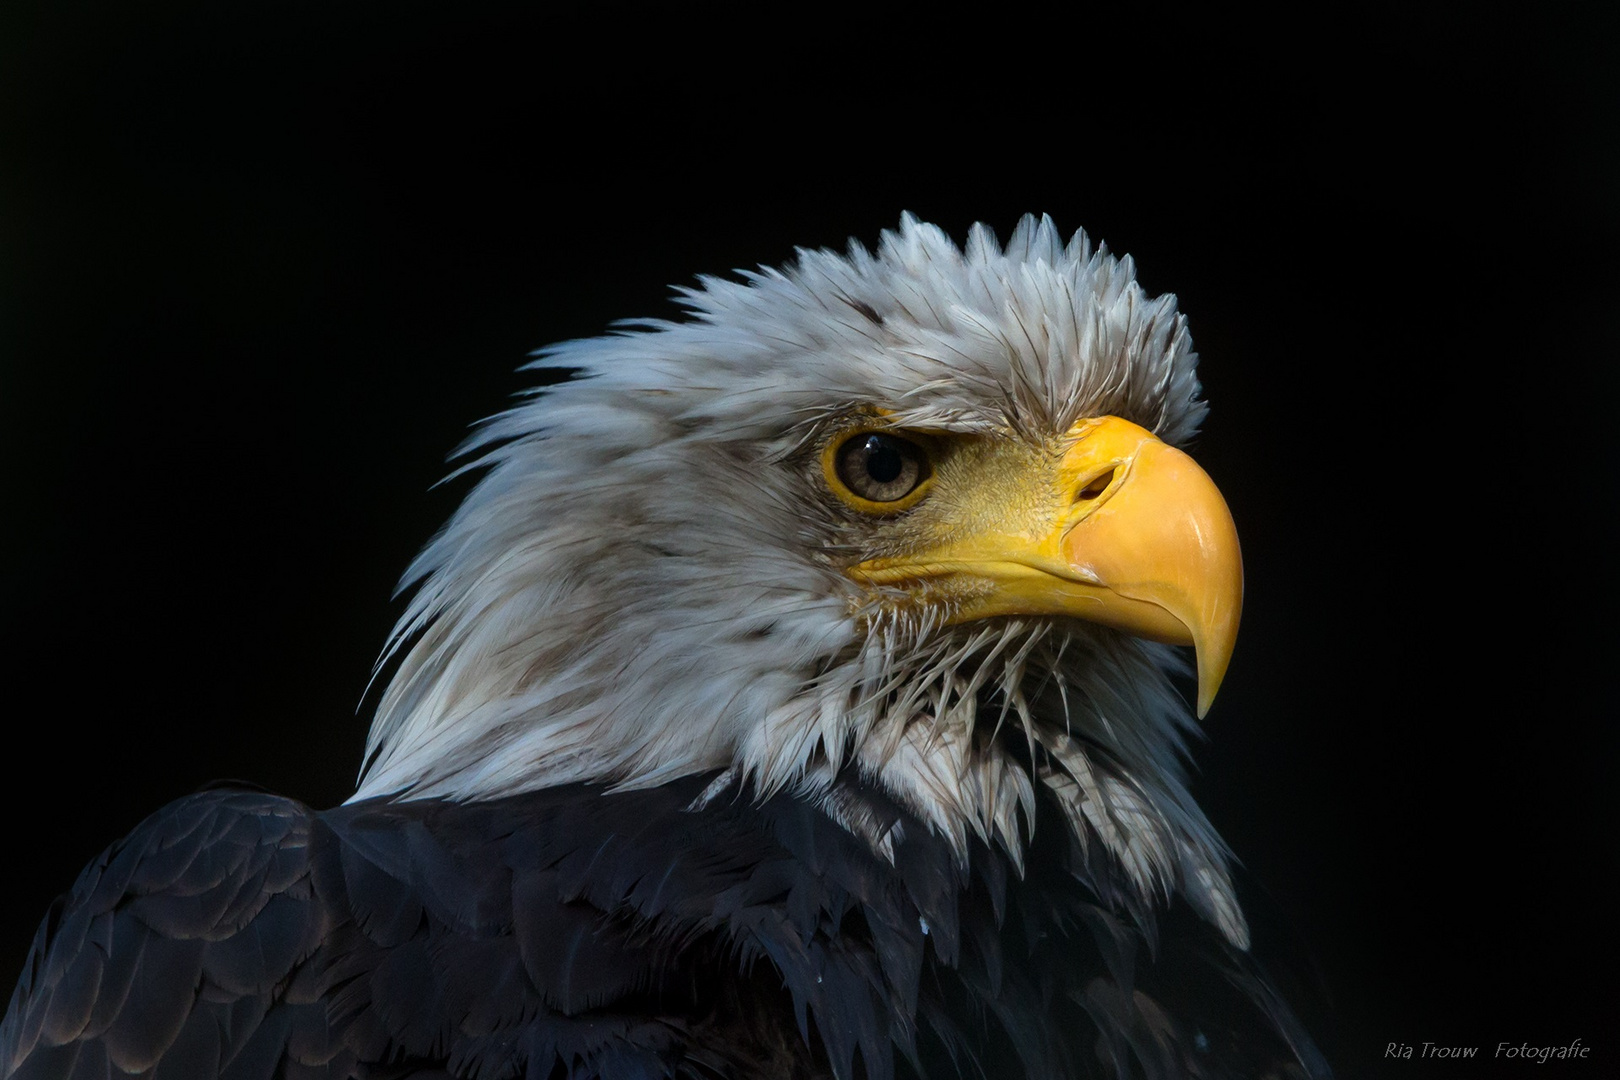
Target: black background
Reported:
[(263, 264)]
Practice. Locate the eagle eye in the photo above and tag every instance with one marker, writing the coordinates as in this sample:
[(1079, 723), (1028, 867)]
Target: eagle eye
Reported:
[(879, 468)]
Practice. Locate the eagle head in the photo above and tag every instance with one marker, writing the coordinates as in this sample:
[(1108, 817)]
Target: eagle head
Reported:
[(916, 513)]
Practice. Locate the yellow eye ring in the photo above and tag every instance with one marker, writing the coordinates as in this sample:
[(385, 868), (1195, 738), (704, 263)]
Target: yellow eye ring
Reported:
[(876, 471)]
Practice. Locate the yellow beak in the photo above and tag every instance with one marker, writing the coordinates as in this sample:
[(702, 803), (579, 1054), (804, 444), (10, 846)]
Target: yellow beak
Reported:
[(1128, 532)]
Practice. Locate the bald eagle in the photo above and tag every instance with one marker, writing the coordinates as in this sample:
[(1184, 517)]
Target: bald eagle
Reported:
[(790, 697)]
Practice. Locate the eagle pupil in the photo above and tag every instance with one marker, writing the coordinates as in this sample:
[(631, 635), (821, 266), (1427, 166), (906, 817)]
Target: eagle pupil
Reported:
[(884, 462)]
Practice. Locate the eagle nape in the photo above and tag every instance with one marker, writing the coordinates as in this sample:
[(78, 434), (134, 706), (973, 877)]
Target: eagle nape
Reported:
[(791, 696)]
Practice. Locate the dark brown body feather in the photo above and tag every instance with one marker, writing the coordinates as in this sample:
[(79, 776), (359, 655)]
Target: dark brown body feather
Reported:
[(573, 933)]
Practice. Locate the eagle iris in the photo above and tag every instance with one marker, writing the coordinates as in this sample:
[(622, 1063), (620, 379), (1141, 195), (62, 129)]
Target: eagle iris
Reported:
[(881, 468)]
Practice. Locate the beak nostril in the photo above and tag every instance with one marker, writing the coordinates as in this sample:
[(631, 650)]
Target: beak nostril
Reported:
[(1097, 486)]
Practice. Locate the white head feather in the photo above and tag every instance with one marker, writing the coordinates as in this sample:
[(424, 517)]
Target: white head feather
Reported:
[(646, 582)]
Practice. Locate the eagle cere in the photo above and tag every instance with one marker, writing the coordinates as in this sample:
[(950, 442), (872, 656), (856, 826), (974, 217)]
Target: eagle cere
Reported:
[(790, 697)]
